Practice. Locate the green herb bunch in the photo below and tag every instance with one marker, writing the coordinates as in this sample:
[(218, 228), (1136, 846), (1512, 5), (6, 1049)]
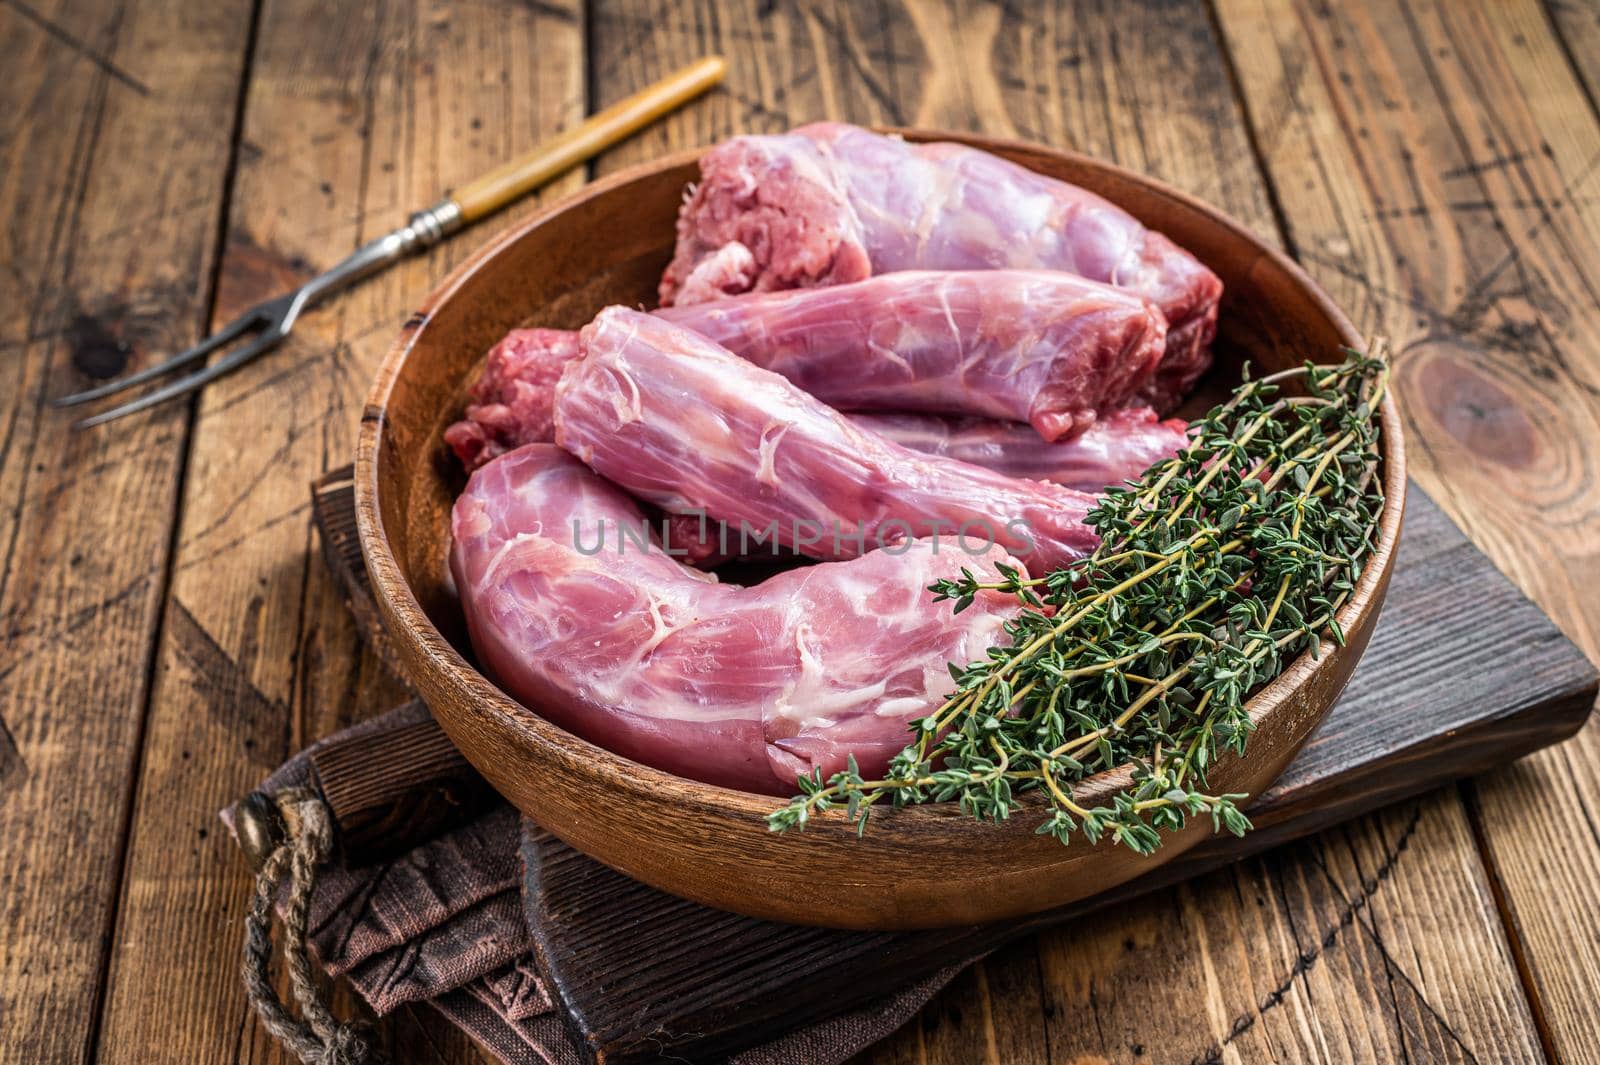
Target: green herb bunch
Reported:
[(1214, 570)]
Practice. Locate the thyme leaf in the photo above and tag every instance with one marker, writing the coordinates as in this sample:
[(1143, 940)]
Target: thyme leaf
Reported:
[(1215, 569)]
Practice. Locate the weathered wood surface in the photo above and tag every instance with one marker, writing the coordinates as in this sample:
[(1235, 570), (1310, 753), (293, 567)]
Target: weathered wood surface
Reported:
[(1437, 165), (356, 114), (1433, 164), (117, 129)]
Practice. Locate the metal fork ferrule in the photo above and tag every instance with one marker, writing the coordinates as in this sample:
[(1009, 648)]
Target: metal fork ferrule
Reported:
[(431, 225)]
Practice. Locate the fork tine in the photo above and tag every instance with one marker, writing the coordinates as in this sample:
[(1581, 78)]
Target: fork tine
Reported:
[(185, 385), (150, 373)]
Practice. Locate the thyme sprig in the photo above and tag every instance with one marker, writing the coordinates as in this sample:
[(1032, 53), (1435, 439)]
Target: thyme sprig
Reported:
[(1214, 570)]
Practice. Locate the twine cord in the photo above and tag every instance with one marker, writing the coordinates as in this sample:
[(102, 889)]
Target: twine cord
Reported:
[(319, 1038)]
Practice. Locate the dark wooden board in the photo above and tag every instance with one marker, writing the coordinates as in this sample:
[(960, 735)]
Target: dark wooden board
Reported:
[(641, 973), (333, 510)]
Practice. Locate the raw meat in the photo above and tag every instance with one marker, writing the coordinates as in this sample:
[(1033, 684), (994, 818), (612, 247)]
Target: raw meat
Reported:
[(1116, 449), (1037, 346), (831, 203), (742, 687), (1030, 345), (512, 398), (677, 420), (516, 396), (1119, 447)]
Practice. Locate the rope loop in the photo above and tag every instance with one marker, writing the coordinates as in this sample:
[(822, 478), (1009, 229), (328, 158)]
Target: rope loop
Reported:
[(319, 1038)]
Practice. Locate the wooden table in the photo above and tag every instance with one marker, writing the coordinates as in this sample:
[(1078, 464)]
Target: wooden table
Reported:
[(169, 636)]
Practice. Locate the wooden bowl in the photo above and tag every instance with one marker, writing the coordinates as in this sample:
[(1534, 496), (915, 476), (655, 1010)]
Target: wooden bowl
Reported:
[(920, 867)]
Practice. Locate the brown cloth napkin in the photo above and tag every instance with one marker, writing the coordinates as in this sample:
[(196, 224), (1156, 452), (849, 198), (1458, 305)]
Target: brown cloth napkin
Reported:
[(444, 924)]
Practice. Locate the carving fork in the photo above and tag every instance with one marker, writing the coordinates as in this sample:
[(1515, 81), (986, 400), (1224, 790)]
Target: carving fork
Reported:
[(272, 320)]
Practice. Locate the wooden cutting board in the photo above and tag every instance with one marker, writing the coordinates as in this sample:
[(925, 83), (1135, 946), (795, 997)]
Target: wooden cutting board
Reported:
[(644, 976)]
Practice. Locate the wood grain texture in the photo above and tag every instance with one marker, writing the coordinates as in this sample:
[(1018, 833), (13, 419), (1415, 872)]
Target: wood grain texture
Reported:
[(1576, 28), (356, 114), (341, 549), (1374, 120), (390, 791), (628, 962), (102, 265), (1437, 164)]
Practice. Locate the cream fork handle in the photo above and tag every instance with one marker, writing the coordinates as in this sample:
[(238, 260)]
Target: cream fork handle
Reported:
[(517, 177)]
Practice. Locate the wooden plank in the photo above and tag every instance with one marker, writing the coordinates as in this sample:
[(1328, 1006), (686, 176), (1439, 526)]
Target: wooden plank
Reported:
[(356, 115), (1437, 165), (1144, 85), (1577, 28), (1311, 928), (116, 121)]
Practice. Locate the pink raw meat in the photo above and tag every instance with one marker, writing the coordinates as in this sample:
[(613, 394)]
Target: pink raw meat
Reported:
[(1119, 447), (677, 420), (513, 396), (1029, 345), (516, 396), (743, 687), (1039, 346), (831, 203)]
